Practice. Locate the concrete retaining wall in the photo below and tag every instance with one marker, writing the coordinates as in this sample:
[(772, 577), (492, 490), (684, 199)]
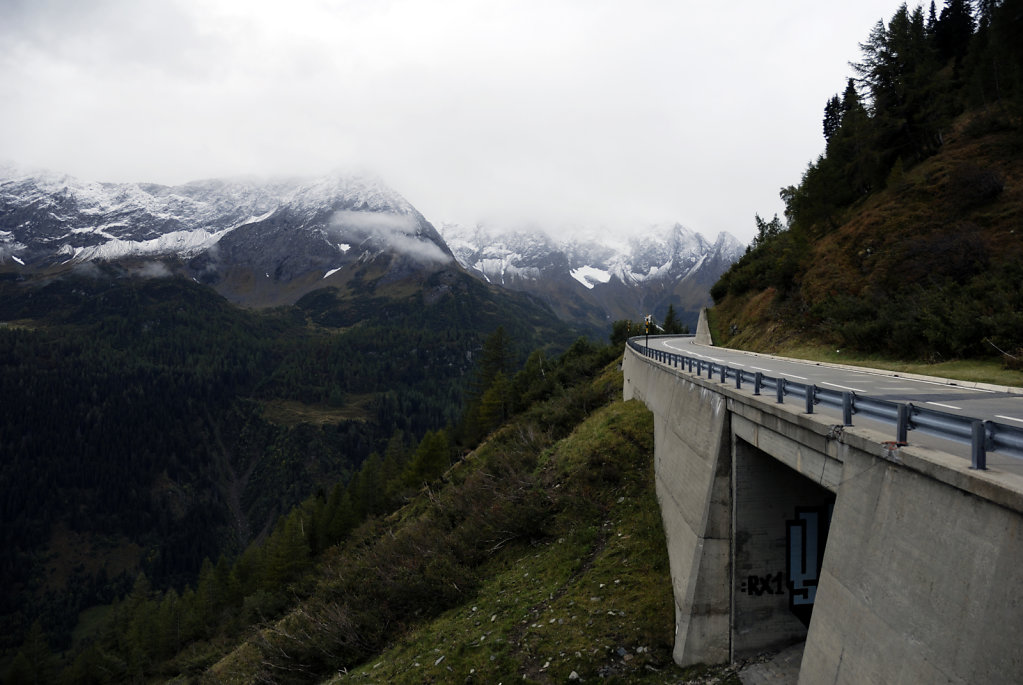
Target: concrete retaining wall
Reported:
[(921, 584)]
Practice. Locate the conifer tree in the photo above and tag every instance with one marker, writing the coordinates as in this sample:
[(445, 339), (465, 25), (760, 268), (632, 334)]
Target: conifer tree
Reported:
[(833, 112), (288, 553), (954, 29), (34, 663), (671, 323), (431, 459), (495, 358), (495, 405)]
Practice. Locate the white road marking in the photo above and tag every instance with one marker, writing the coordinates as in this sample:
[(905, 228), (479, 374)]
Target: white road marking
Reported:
[(844, 387), (1010, 418), (960, 388), (792, 375), (760, 368), (896, 388), (946, 406)]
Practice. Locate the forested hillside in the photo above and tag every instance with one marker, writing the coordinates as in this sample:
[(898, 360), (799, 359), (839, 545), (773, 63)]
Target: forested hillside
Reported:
[(149, 427), (903, 237), (537, 554)]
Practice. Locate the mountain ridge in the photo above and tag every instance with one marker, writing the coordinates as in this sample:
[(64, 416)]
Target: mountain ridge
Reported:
[(222, 232), (604, 277), (263, 242)]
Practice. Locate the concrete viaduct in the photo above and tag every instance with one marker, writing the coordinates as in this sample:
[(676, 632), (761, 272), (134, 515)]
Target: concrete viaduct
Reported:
[(893, 564)]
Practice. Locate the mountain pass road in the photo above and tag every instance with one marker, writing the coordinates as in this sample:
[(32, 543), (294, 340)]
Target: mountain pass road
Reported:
[(1000, 405)]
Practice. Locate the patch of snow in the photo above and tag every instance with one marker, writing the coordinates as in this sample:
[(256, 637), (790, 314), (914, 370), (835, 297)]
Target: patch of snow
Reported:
[(589, 276), (175, 242), (253, 219), (331, 272), (15, 258), (344, 247)]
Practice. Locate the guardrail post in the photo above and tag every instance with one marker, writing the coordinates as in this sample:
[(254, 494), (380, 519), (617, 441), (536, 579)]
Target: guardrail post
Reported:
[(724, 374), (780, 387), (738, 379), (847, 408), (978, 451), (808, 396), (758, 381), (710, 370), (902, 427)]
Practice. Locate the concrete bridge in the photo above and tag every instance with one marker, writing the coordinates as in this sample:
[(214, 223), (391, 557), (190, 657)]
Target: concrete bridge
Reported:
[(895, 564)]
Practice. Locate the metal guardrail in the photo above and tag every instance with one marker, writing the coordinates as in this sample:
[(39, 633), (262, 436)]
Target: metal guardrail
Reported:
[(983, 436)]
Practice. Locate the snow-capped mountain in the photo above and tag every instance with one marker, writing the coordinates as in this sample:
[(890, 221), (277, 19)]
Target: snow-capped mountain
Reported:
[(250, 238), (602, 277), (267, 242)]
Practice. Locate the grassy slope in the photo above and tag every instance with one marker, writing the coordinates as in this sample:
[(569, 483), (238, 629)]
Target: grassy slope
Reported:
[(992, 371), (587, 591), (924, 228)]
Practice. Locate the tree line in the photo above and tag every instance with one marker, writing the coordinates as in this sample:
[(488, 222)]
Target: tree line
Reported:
[(151, 633), (136, 417), (919, 74)]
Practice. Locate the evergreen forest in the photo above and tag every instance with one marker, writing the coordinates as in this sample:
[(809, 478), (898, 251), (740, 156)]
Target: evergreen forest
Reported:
[(155, 440), (902, 238)]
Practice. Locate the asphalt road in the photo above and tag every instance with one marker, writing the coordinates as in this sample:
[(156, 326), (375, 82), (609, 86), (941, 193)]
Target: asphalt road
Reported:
[(943, 395)]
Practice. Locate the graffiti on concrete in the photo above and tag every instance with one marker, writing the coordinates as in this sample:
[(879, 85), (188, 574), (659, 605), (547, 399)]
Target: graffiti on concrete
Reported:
[(761, 585), (807, 534)]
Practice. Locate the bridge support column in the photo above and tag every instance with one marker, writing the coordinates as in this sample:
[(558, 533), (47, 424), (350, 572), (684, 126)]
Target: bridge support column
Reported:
[(692, 468)]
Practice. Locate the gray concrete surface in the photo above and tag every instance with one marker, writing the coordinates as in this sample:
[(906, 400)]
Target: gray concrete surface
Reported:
[(923, 559)]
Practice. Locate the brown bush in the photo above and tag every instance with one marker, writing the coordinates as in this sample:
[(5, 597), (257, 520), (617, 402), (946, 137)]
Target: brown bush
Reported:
[(970, 186)]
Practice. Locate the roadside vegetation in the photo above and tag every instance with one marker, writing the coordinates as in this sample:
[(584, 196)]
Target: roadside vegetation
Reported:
[(902, 240)]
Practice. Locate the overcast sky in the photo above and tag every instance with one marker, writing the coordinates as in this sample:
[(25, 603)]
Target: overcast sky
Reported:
[(590, 113)]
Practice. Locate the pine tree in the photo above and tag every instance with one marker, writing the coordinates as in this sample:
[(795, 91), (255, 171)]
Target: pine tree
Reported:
[(288, 551), (672, 324), (833, 112), (954, 30), (496, 358), (34, 664), (622, 330), (431, 459), (495, 405)]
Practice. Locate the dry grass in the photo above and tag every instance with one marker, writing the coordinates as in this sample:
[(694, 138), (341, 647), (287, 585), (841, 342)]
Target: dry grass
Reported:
[(969, 370), (292, 413)]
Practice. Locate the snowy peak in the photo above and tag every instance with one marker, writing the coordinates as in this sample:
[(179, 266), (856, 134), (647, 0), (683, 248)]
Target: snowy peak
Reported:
[(48, 218), (258, 241), (617, 275), (660, 252)]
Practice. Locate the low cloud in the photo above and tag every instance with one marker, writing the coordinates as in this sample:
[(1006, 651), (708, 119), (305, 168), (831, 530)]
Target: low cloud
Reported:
[(153, 270), (397, 231)]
